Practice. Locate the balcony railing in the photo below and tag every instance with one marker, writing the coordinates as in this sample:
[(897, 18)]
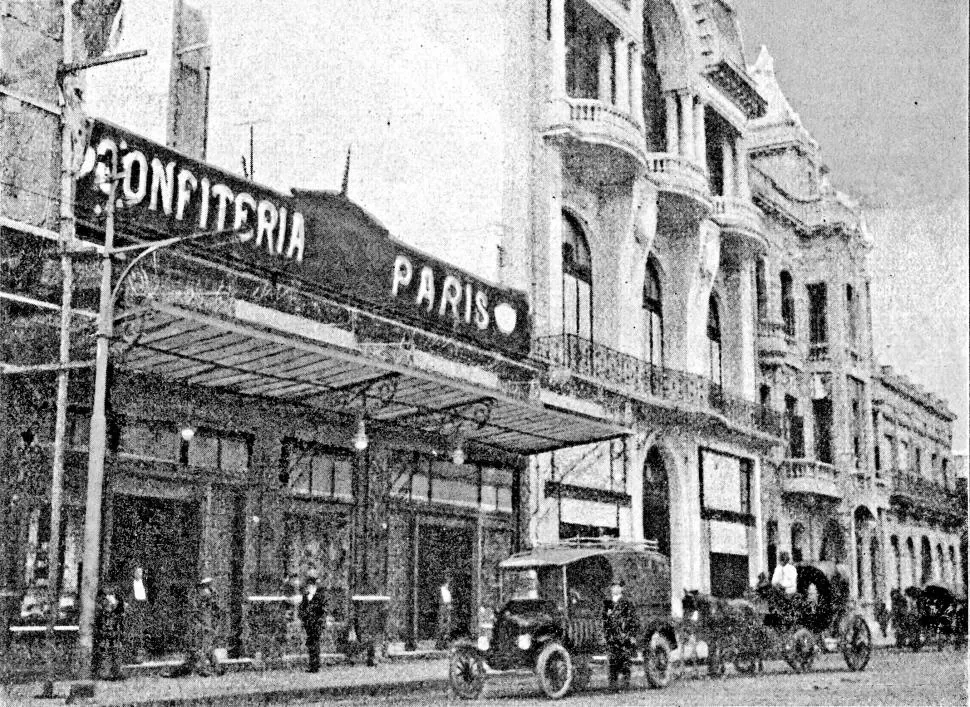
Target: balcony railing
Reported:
[(592, 120), (678, 174), (810, 476), (916, 489), (738, 214), (601, 363), (774, 343)]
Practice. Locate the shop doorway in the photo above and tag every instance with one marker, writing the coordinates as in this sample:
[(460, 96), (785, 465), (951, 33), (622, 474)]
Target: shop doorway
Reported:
[(163, 537), (656, 500), (444, 550)]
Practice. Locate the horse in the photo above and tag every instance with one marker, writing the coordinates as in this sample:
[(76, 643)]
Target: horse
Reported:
[(732, 628), (938, 614)]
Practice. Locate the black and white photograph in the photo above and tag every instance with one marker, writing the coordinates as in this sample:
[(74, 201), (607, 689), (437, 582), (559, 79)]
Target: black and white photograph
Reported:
[(510, 352)]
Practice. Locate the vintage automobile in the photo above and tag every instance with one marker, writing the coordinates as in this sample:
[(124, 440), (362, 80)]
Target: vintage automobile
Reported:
[(551, 617)]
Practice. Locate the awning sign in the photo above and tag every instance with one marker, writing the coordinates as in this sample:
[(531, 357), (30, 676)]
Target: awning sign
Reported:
[(317, 239)]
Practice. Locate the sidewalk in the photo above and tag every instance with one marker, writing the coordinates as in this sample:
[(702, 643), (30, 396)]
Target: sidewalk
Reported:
[(401, 674), (253, 687)]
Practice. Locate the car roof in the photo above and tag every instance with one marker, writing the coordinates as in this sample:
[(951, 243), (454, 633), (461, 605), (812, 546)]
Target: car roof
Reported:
[(566, 553)]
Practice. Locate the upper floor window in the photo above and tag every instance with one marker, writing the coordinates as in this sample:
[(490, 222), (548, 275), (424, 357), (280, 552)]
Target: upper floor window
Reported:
[(577, 279), (714, 340), (794, 425), (590, 55), (857, 394), (654, 313), (852, 315), (818, 334), (761, 288), (787, 303)]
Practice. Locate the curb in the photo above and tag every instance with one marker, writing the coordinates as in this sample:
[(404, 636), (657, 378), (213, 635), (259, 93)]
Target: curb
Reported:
[(247, 699)]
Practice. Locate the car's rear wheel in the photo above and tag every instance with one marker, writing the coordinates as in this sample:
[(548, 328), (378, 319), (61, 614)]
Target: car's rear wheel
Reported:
[(466, 673), (554, 669), (656, 661)]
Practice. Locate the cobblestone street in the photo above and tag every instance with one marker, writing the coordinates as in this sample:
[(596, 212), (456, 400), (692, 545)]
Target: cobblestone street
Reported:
[(926, 678)]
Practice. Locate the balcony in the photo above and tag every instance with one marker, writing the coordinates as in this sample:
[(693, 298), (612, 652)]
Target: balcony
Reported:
[(910, 490), (775, 346), (741, 219), (680, 176), (593, 124), (569, 356), (808, 476)]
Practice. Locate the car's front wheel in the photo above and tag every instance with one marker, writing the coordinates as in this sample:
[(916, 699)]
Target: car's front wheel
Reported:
[(466, 673), (554, 669)]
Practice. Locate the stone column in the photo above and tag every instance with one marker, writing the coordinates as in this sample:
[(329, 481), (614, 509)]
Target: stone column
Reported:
[(670, 101), (636, 89), (700, 134), (686, 125), (727, 166), (605, 74), (621, 49), (741, 169), (557, 28)]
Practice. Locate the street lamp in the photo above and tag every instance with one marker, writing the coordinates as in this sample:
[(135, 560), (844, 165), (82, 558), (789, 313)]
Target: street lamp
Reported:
[(98, 432)]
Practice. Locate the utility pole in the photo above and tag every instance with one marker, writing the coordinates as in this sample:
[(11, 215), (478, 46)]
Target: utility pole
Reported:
[(54, 570), (91, 562)]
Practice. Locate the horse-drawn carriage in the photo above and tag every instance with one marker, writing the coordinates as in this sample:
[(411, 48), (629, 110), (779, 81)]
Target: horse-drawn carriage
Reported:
[(935, 615), (552, 619), (768, 624)]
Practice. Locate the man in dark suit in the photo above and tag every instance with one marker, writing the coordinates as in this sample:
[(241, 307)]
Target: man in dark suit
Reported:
[(313, 609), (111, 626), (621, 627)]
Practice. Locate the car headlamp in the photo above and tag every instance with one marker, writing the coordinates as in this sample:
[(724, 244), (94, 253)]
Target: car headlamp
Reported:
[(525, 641)]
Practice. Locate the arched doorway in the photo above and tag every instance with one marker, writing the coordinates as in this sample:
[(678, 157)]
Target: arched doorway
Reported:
[(656, 500), (926, 557), (797, 542), (866, 560), (772, 532), (833, 542)]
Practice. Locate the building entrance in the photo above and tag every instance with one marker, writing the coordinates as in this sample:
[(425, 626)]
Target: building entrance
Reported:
[(444, 550), (162, 536)]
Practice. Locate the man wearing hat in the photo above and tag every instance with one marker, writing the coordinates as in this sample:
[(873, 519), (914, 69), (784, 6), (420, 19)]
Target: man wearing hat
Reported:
[(313, 609), (621, 626), (202, 632)]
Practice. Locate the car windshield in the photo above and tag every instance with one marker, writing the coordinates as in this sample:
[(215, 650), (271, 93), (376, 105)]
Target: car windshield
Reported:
[(532, 583)]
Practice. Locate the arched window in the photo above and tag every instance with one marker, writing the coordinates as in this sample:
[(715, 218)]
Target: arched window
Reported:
[(654, 313), (714, 340), (787, 303), (761, 288), (577, 280), (940, 564)]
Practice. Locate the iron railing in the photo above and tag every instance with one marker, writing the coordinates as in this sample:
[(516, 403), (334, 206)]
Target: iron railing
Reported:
[(601, 363), (924, 491)]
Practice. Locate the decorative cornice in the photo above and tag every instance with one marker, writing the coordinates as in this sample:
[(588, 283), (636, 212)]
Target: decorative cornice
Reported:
[(736, 84)]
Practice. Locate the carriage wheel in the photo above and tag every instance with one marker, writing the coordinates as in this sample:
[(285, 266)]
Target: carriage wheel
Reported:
[(554, 668), (656, 661), (857, 644), (466, 673), (800, 650)]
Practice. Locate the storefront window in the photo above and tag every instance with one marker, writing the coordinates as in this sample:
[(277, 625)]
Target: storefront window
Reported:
[(150, 440), (316, 470)]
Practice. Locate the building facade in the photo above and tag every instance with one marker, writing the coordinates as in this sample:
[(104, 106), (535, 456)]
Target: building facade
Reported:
[(645, 312)]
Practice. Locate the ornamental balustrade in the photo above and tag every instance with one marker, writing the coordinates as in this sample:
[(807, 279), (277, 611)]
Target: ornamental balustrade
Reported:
[(809, 469), (922, 490), (574, 355), (738, 212), (590, 110), (674, 171)]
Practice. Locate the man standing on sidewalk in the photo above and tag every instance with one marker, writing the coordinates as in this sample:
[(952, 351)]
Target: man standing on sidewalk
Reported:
[(138, 612), (444, 613), (313, 608)]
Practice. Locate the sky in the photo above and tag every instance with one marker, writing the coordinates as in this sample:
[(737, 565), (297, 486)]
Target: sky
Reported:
[(882, 86)]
